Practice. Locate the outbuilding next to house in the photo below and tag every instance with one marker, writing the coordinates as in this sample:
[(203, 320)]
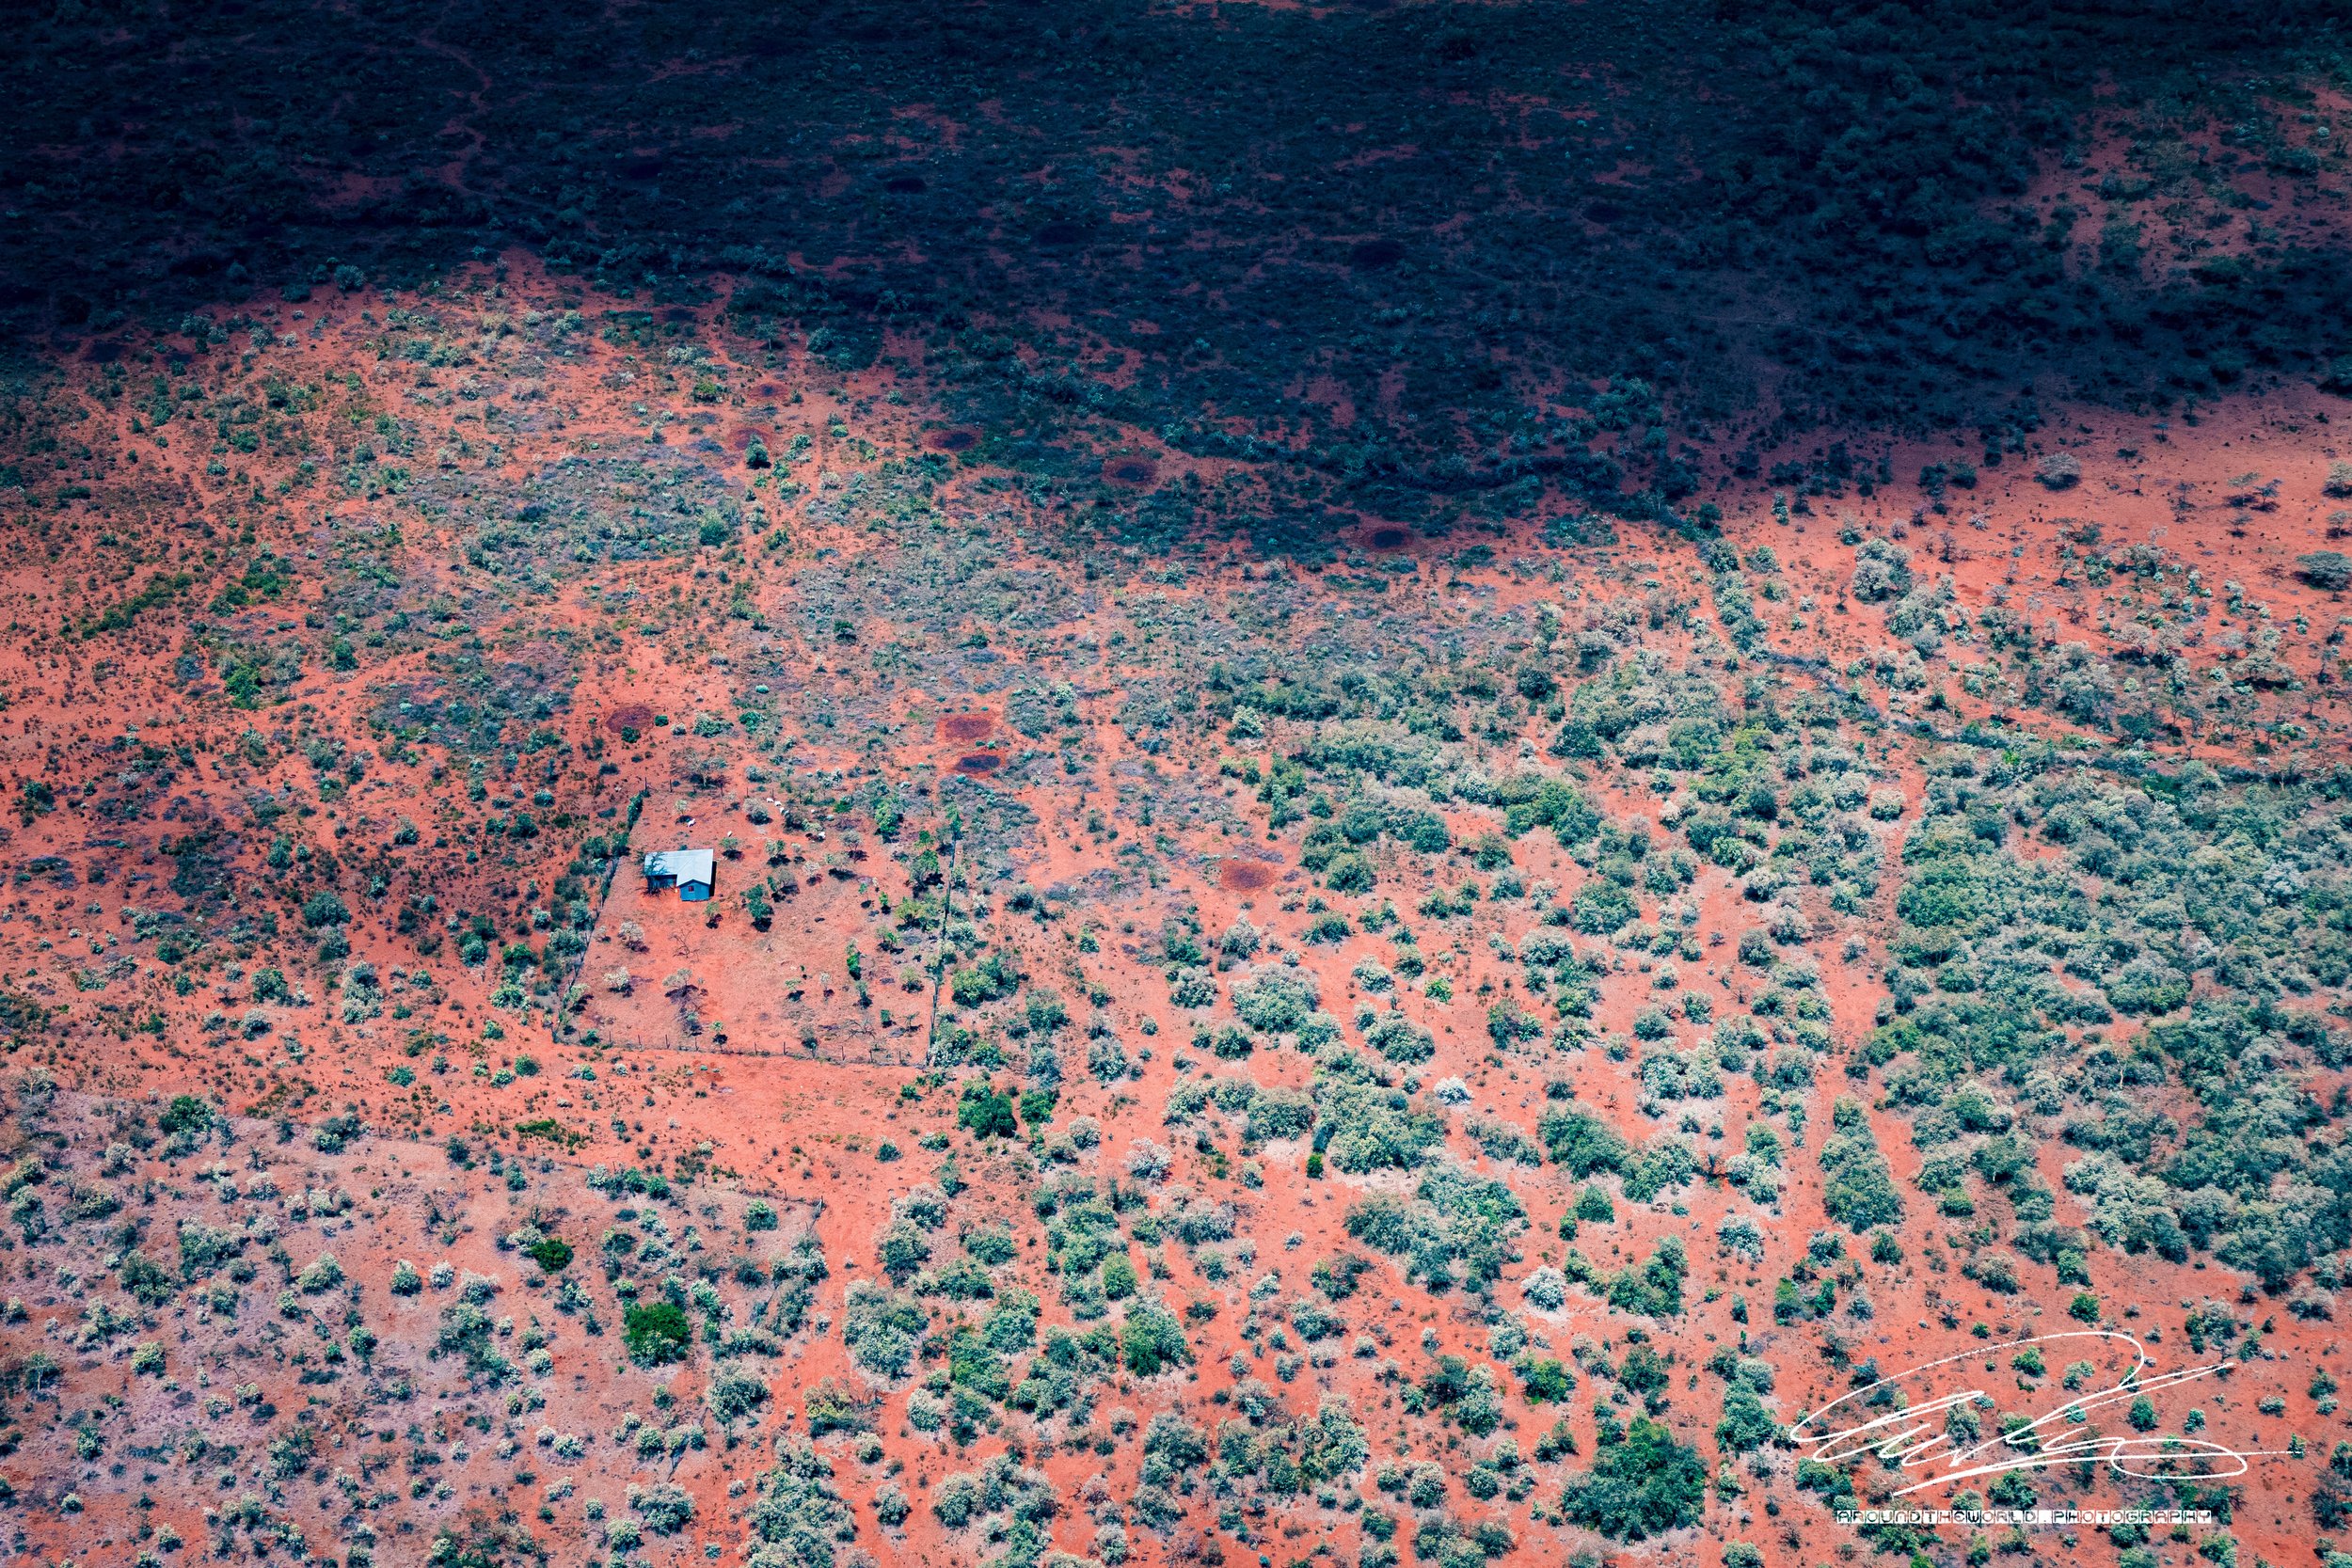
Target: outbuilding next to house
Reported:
[(687, 870)]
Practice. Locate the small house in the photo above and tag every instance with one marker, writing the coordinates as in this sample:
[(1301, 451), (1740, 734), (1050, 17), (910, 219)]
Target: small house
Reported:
[(687, 870)]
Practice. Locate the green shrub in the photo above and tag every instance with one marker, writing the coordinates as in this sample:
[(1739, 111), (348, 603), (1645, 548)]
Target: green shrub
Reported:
[(1857, 1191), (1643, 1483), (1746, 1424), (1152, 1339), (1653, 1288), (882, 1329), (798, 1517), (1400, 1039), (902, 1249), (1579, 1141), (1274, 1000), (986, 1112), (1364, 1128), (666, 1508), (1544, 1380), (656, 1331), (2331, 571), (1601, 908), (832, 1406), (733, 1395), (1664, 1162)]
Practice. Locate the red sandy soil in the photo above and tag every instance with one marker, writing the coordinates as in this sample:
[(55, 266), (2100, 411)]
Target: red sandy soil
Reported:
[(749, 1062)]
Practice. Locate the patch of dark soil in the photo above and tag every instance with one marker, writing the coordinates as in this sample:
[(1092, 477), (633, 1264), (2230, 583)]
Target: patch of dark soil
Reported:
[(967, 727), (1246, 876)]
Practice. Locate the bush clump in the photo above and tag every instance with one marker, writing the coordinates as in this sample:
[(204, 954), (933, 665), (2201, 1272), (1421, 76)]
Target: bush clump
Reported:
[(656, 1333), (1857, 1190), (1153, 1341), (2330, 571), (1643, 1482)]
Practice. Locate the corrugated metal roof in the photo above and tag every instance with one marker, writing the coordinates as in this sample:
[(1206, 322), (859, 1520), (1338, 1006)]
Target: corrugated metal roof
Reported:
[(686, 865)]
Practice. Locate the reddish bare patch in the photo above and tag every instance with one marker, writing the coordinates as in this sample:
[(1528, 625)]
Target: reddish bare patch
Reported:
[(1134, 472), (1246, 875), (959, 439), (979, 763), (743, 436), (634, 716), (967, 727)]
